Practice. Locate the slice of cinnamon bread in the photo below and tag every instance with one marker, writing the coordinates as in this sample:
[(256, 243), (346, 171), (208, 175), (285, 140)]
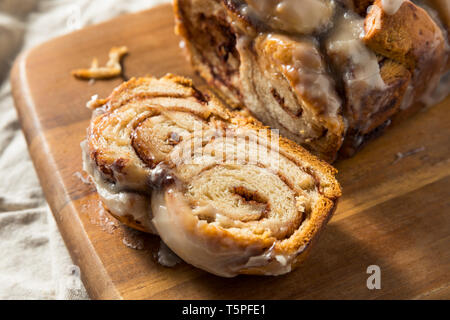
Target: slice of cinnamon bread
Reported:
[(226, 194)]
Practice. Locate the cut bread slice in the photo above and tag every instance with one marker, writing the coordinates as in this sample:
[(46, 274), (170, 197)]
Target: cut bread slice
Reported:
[(225, 193)]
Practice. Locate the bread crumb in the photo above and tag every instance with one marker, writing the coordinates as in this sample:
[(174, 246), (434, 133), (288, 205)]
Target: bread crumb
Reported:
[(112, 69)]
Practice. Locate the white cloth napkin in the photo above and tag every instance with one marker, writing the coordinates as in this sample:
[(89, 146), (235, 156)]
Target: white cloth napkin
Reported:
[(34, 262)]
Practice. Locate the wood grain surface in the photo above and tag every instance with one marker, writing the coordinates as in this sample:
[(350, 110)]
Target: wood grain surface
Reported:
[(395, 212)]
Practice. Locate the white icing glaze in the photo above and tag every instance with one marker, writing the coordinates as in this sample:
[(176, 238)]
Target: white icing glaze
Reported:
[(167, 257), (391, 6), (300, 16), (91, 103), (308, 74), (345, 41), (408, 98), (357, 63)]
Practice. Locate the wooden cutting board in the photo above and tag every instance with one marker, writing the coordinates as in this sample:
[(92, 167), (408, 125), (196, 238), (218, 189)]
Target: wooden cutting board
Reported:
[(395, 211)]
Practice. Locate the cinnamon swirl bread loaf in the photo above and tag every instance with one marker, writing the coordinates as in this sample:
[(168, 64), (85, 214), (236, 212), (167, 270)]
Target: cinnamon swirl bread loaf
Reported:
[(226, 194), (329, 74)]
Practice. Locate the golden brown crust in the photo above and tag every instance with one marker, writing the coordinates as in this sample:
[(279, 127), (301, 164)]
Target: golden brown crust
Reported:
[(408, 36)]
